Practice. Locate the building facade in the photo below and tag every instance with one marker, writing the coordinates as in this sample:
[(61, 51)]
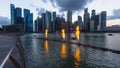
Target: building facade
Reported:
[(86, 20)]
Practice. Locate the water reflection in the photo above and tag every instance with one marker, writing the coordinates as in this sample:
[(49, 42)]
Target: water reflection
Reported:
[(63, 51), (77, 58), (46, 46)]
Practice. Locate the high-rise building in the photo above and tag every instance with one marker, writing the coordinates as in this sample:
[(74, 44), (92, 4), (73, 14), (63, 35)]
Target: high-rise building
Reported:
[(80, 22), (54, 18), (48, 20), (26, 14), (30, 23), (69, 20), (12, 10), (18, 12), (96, 22), (103, 20), (93, 13), (38, 25), (43, 22), (18, 16), (86, 20), (69, 17)]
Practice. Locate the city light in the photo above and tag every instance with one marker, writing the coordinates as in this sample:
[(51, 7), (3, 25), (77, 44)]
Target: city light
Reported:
[(63, 51), (46, 46), (46, 33), (77, 58), (63, 33), (77, 32)]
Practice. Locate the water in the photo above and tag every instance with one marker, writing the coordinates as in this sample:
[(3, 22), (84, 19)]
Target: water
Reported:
[(49, 54)]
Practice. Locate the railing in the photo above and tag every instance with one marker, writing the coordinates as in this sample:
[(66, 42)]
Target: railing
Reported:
[(7, 58)]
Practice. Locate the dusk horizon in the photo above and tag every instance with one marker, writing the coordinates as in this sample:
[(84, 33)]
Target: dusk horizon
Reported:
[(38, 7)]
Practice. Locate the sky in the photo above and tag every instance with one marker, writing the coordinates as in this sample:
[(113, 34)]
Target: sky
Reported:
[(61, 6)]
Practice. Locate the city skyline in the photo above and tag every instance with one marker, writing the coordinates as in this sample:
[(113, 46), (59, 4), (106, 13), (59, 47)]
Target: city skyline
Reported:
[(40, 6)]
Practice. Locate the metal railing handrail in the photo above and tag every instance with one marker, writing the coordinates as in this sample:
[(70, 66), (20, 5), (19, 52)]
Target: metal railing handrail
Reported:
[(6, 58)]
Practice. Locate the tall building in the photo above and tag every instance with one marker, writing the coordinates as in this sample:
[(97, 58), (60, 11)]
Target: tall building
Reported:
[(69, 17), (54, 18), (80, 22), (38, 25), (12, 10), (93, 13), (86, 20), (96, 24), (69, 20), (18, 16), (48, 20), (93, 22), (43, 22), (103, 20), (26, 14), (30, 23)]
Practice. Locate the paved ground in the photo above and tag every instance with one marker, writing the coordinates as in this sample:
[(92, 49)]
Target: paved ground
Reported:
[(7, 41)]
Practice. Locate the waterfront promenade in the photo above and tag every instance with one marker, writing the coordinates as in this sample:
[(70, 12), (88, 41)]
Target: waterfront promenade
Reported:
[(10, 51)]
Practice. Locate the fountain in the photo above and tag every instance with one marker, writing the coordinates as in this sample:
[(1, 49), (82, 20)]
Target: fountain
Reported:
[(46, 33), (63, 33), (77, 32)]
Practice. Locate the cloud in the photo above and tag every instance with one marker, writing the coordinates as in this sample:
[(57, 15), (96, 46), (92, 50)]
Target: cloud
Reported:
[(4, 20), (61, 15), (40, 10), (73, 5), (116, 15)]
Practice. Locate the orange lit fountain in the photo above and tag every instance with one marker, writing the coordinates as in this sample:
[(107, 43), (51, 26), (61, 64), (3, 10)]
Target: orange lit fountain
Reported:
[(46, 33), (63, 33), (63, 51), (77, 32), (77, 58)]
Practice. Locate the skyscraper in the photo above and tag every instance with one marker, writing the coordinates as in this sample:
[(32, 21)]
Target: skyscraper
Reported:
[(103, 20), (48, 20), (93, 13), (69, 17), (80, 22), (12, 10), (86, 20), (26, 13), (30, 23), (69, 20), (92, 21), (18, 16), (54, 18), (43, 22)]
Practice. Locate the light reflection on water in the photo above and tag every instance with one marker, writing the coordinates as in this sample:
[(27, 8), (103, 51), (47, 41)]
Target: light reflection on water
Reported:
[(46, 46), (63, 51), (77, 57), (48, 54)]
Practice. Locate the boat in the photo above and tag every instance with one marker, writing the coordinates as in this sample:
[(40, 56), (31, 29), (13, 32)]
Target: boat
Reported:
[(110, 34)]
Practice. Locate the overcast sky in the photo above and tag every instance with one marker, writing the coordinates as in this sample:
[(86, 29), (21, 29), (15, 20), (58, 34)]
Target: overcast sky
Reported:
[(61, 6)]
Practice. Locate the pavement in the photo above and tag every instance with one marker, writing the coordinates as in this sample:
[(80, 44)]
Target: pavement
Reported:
[(7, 42)]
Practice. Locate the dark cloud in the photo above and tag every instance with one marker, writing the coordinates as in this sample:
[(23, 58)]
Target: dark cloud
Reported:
[(61, 15), (116, 15), (40, 10), (4, 20), (64, 5)]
